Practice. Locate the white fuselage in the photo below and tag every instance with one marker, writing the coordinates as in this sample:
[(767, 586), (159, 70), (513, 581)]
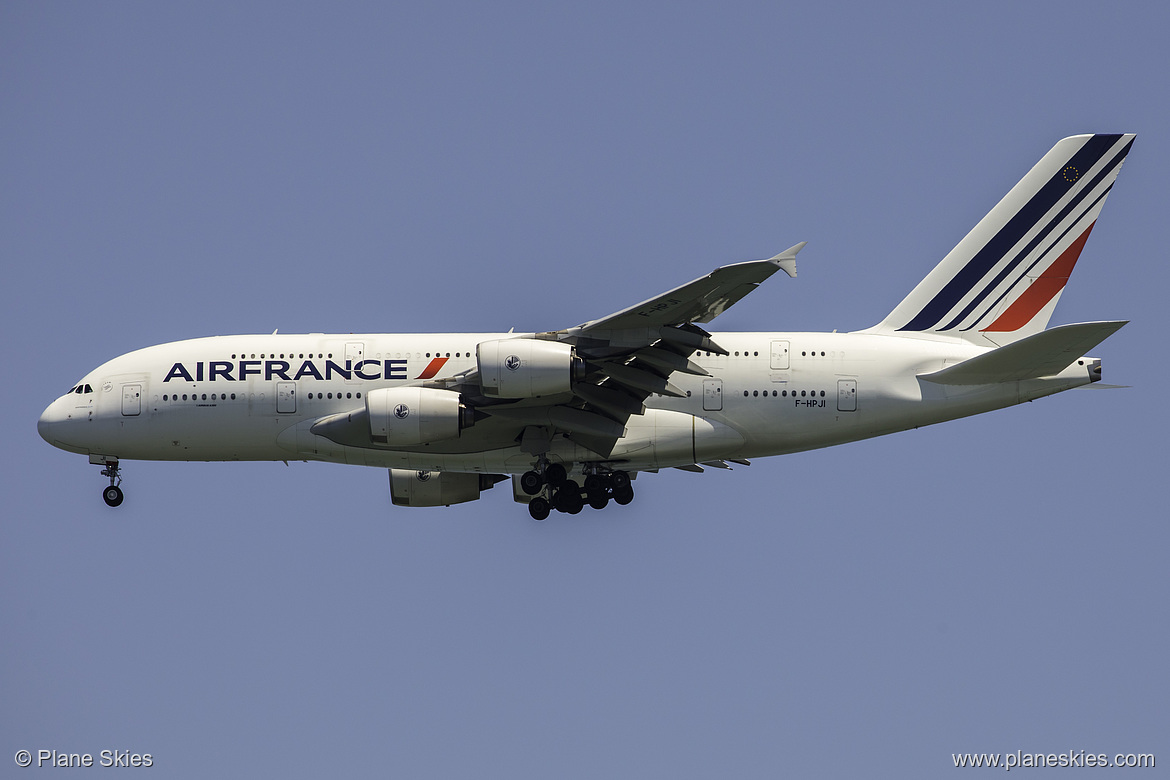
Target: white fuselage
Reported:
[(255, 398)]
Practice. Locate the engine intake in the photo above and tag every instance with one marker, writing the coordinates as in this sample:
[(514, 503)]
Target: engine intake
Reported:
[(526, 368)]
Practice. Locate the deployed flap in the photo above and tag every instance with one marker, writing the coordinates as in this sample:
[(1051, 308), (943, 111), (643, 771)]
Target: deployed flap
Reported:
[(1044, 354), (702, 300)]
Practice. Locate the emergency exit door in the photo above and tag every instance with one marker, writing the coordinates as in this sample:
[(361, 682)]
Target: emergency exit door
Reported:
[(846, 395), (131, 400), (780, 350), (286, 397), (712, 395), (355, 352)]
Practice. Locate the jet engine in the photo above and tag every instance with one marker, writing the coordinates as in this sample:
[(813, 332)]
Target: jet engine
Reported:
[(526, 368), (402, 416), (437, 488)]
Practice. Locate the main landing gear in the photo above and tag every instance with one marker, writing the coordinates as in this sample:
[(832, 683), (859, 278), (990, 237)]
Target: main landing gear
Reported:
[(112, 494), (552, 489)]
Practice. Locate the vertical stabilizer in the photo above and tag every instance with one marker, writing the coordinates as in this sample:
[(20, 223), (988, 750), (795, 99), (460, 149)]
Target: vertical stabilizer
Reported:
[(1001, 283)]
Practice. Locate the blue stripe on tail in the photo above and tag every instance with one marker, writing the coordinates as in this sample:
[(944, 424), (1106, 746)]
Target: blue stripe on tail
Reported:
[(1010, 234)]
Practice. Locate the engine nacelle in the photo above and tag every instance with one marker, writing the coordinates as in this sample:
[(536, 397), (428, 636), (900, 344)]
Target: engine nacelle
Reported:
[(526, 368), (402, 416), (437, 488)]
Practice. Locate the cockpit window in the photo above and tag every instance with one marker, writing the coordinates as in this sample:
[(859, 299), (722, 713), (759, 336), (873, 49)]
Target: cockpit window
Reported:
[(88, 389)]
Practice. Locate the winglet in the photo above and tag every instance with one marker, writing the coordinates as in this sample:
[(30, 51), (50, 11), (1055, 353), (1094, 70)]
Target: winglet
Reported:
[(786, 260)]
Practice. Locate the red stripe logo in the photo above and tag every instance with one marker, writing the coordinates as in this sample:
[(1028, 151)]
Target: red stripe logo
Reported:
[(432, 368)]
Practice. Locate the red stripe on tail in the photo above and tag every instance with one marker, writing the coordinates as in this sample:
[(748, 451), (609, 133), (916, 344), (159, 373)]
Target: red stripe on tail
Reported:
[(1042, 290)]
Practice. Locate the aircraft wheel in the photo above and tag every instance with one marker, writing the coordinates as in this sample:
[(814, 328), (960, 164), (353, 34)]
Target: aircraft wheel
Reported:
[(531, 482), (538, 508), (571, 497), (599, 501), (624, 497), (113, 495), (594, 484), (555, 474), (620, 480)]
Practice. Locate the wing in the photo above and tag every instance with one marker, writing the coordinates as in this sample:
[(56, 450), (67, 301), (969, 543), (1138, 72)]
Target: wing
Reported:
[(624, 358), (702, 300)]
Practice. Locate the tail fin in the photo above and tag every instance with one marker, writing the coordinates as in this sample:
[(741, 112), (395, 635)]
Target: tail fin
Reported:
[(1001, 283)]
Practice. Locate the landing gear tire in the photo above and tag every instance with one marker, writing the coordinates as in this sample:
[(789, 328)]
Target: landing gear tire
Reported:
[(113, 495), (599, 501), (623, 497), (538, 508), (555, 474), (620, 481), (573, 500), (568, 498), (531, 482)]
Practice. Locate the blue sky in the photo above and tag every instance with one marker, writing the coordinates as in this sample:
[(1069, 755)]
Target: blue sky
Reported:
[(172, 171)]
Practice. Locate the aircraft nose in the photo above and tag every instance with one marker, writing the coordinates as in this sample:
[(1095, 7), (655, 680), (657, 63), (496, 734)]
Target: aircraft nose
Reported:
[(51, 423), (45, 424)]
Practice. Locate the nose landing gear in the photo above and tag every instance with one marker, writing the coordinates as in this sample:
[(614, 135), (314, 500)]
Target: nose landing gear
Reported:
[(113, 494)]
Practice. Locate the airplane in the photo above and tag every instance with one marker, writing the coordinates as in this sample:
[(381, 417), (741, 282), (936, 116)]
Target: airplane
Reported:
[(572, 416)]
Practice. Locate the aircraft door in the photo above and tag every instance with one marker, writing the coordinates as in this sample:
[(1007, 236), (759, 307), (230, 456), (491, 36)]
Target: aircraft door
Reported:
[(131, 400), (712, 395), (286, 397), (355, 352), (846, 395), (780, 350)]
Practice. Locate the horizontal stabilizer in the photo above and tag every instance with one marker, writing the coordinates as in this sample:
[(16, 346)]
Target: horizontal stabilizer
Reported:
[(1044, 354)]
